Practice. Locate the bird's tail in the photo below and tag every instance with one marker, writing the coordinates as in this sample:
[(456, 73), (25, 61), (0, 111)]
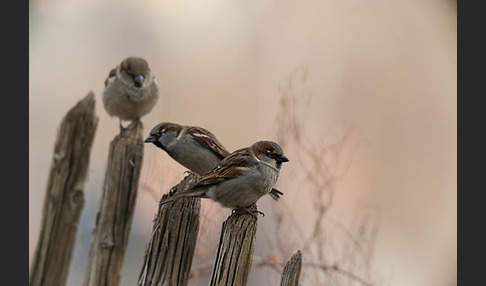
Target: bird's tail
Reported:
[(189, 193), (275, 194)]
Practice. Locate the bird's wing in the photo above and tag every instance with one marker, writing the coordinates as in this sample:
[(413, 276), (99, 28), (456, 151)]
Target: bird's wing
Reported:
[(229, 168), (208, 140), (111, 74)]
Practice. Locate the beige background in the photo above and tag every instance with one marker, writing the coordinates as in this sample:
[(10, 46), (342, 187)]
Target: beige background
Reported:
[(387, 68)]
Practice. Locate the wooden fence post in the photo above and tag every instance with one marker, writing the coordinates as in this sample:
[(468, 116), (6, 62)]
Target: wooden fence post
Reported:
[(168, 256), (110, 236), (291, 272), (235, 250), (64, 197)]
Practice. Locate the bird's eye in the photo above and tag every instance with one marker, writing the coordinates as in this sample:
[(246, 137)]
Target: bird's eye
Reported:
[(161, 131), (270, 154)]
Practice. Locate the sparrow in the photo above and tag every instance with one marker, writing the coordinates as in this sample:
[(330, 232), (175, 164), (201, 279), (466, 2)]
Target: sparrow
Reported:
[(131, 90), (193, 147), (241, 178)]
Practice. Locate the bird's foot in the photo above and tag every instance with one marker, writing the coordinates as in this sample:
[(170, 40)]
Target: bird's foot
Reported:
[(137, 120), (135, 124), (122, 129), (248, 210), (189, 172)]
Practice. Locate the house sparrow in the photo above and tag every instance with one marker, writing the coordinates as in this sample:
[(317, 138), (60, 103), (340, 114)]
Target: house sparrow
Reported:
[(131, 90), (241, 178), (193, 147)]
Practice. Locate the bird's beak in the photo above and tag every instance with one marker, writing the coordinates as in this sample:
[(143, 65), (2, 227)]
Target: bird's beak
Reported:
[(150, 139), (282, 158), (138, 80)]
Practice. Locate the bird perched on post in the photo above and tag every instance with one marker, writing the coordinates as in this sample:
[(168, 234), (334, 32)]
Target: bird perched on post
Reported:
[(193, 147), (240, 179), (131, 90)]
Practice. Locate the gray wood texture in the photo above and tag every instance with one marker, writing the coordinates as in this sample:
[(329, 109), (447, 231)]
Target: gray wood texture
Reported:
[(110, 236), (235, 250), (64, 196), (291, 271), (169, 253)]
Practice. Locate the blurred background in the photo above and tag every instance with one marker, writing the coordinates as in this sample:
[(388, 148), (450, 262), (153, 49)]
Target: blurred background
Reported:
[(361, 95)]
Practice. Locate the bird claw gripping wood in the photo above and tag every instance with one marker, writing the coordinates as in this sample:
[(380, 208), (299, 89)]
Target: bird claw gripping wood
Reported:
[(248, 210)]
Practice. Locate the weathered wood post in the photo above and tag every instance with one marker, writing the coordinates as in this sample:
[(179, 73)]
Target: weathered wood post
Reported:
[(64, 197), (291, 271), (110, 236), (168, 256), (235, 250)]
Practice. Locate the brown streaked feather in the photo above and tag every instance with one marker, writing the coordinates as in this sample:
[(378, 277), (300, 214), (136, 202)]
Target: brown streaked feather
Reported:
[(111, 74), (208, 140), (263, 146), (135, 66), (229, 168), (167, 126), (188, 193)]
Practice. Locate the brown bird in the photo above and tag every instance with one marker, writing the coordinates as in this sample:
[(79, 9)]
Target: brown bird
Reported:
[(240, 179), (131, 90), (193, 147)]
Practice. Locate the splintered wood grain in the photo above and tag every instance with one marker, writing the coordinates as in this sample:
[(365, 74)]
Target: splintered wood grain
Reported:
[(291, 271), (110, 236), (64, 197), (235, 250), (169, 253)]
